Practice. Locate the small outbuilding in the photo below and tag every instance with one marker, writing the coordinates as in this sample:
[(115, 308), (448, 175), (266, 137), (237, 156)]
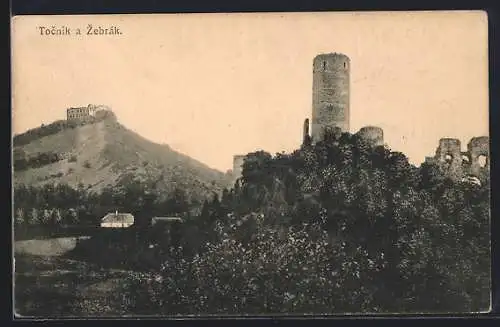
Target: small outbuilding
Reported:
[(117, 220), (165, 220)]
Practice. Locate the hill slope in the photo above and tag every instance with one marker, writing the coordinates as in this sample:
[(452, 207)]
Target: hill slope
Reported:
[(104, 153)]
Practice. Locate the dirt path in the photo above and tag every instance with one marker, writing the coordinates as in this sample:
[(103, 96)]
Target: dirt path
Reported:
[(90, 140), (47, 247), (47, 284)]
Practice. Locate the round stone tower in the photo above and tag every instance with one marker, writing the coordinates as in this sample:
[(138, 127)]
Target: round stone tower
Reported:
[(372, 134), (330, 94)]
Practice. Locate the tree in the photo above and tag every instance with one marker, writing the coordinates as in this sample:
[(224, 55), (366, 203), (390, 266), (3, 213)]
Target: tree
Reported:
[(56, 218), (34, 217), (19, 217), (178, 202)]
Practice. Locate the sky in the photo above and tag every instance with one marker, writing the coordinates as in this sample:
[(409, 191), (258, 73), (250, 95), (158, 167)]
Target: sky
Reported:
[(215, 85)]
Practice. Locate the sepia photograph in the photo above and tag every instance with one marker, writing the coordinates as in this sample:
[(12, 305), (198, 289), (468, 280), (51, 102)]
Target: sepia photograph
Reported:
[(250, 164)]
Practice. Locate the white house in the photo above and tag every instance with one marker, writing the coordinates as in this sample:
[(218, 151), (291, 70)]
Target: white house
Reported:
[(117, 220)]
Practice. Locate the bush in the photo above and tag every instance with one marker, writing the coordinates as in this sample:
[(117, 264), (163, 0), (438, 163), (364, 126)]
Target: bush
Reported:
[(293, 271)]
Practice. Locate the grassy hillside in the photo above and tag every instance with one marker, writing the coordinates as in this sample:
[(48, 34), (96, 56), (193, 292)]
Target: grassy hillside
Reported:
[(103, 153)]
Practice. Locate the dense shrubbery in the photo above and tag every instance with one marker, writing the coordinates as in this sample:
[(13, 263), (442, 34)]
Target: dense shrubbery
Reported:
[(296, 270), (45, 130), (340, 227)]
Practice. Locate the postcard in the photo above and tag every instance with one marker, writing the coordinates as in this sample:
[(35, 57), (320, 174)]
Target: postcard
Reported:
[(250, 164)]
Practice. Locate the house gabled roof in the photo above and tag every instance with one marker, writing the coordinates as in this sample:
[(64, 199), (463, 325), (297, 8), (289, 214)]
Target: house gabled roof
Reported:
[(167, 219), (113, 217)]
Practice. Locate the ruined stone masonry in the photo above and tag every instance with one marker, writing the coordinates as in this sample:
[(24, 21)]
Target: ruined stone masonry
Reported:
[(83, 113), (458, 164), (305, 131), (238, 161)]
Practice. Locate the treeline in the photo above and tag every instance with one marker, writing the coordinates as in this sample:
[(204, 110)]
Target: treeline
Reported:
[(63, 205), (333, 227), (23, 162)]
